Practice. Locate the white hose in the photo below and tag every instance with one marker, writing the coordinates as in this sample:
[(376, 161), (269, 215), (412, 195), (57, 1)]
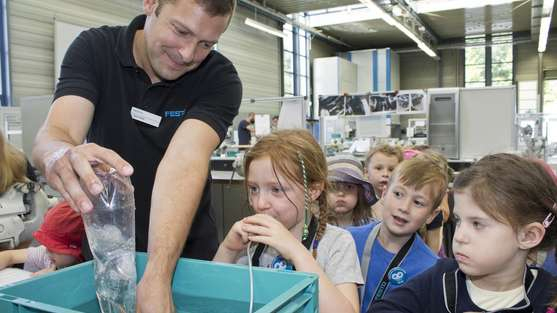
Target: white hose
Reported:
[(250, 279)]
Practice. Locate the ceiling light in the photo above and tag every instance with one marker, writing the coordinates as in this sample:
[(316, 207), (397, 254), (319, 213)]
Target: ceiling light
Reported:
[(391, 21), (266, 28), (544, 24)]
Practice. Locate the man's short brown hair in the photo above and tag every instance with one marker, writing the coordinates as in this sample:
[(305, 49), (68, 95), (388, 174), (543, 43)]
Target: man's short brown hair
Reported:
[(212, 7)]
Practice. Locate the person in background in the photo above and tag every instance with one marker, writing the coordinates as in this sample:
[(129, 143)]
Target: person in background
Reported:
[(350, 195), (60, 237), (274, 123), (380, 163), (152, 100), (505, 208), (13, 165), (286, 172), (246, 128), (390, 252)]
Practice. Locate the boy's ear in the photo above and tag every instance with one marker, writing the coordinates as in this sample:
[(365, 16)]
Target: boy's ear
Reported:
[(432, 215), (530, 236), (315, 190)]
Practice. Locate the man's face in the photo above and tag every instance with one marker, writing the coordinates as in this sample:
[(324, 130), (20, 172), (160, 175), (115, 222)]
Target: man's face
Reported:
[(179, 38)]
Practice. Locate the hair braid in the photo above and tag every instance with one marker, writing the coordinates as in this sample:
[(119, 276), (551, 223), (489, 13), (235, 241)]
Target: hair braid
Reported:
[(307, 199), (323, 218)]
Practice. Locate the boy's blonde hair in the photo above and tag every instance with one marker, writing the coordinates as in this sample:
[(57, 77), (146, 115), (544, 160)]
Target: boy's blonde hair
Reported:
[(424, 169), (387, 150), (13, 166)]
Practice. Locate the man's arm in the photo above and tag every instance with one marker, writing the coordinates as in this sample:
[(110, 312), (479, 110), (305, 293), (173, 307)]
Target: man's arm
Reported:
[(59, 154), (179, 183)]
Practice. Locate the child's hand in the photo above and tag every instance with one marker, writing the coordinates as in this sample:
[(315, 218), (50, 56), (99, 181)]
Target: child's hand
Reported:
[(267, 230), (237, 238), (49, 269)]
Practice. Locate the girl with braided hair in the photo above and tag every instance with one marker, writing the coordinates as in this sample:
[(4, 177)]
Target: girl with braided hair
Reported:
[(286, 179)]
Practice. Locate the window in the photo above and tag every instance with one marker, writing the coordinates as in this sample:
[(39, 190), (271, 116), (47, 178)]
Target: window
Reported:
[(4, 75), (295, 55), (288, 58), (474, 65), (489, 64), (527, 95), (550, 96), (502, 60)]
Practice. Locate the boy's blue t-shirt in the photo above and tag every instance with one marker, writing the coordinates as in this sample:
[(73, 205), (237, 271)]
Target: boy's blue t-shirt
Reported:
[(418, 259)]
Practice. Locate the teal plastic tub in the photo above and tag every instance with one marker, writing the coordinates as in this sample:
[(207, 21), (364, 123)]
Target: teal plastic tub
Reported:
[(198, 286)]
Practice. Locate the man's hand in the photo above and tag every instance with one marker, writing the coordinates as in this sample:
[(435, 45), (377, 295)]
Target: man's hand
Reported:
[(64, 168), (154, 296)]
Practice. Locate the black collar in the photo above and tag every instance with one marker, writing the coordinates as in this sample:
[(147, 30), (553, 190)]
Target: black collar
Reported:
[(124, 44)]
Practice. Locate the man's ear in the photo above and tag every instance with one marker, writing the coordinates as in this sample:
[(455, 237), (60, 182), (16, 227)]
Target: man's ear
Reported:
[(530, 236), (315, 190)]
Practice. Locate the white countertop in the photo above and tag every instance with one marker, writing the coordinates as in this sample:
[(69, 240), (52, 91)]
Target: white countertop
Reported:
[(226, 175)]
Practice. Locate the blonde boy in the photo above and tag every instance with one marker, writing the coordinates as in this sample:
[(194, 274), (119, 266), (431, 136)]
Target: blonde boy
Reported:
[(389, 251), (380, 164)]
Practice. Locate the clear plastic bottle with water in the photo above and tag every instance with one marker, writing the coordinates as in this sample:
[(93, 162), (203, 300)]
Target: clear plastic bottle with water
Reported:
[(110, 228)]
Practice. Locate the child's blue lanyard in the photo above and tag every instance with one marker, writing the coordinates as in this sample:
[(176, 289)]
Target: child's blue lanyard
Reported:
[(390, 273)]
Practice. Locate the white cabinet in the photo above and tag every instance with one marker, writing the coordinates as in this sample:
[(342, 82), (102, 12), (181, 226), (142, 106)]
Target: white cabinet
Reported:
[(378, 69), (333, 76)]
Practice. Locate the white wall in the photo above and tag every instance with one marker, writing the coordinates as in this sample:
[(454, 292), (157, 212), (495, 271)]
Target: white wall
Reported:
[(31, 36), (256, 55)]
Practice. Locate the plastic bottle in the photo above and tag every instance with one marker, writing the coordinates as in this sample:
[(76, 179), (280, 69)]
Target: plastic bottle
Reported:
[(110, 229)]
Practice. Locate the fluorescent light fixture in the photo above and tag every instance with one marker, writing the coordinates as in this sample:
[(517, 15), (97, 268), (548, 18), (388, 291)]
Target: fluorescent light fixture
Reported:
[(262, 27), (544, 24), (391, 21), (350, 14), (353, 13), (428, 6)]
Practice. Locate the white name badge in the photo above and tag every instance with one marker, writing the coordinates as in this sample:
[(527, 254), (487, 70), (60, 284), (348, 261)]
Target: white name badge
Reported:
[(145, 117)]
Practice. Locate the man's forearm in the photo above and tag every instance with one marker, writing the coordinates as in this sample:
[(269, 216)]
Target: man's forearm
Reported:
[(176, 196), (49, 141)]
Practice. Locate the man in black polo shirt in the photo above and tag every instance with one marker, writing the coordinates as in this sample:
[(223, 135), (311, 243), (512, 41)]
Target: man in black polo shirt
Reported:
[(155, 100)]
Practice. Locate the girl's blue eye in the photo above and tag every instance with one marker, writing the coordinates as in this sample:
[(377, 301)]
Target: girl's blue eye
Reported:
[(397, 194), (419, 203), (477, 225)]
